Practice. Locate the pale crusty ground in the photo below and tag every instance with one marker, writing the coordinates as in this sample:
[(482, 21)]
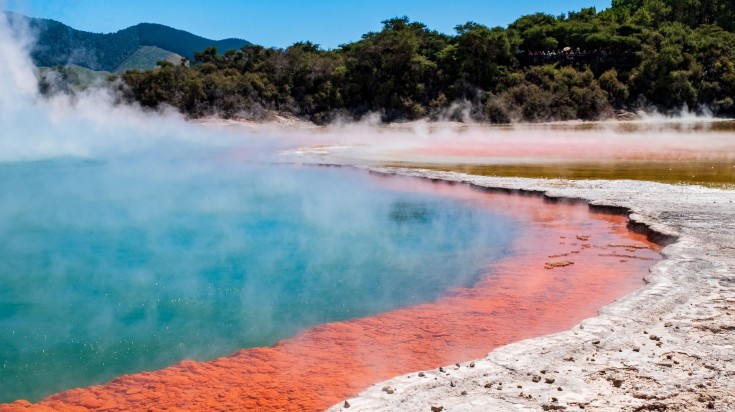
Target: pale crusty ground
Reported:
[(666, 347)]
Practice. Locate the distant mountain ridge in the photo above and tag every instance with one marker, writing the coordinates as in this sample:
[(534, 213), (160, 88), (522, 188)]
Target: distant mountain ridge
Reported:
[(134, 47)]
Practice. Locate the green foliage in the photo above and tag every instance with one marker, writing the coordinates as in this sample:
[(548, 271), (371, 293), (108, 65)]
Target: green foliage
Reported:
[(670, 54), (69, 79), (550, 93), (618, 92), (394, 71), (146, 57), (481, 54), (692, 13)]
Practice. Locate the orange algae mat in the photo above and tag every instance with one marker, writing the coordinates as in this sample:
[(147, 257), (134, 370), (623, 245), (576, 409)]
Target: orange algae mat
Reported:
[(566, 263)]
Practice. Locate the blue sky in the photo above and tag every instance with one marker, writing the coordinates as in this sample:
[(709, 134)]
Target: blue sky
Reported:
[(281, 23)]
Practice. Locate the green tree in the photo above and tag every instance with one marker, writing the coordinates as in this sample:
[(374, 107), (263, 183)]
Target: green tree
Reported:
[(478, 56)]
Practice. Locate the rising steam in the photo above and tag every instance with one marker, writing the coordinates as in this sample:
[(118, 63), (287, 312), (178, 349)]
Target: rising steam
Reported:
[(87, 124)]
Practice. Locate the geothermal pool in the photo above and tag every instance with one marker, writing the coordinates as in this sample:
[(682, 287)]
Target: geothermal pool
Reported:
[(112, 267), (695, 151)]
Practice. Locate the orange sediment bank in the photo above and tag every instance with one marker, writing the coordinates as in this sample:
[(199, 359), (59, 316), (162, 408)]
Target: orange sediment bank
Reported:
[(528, 294)]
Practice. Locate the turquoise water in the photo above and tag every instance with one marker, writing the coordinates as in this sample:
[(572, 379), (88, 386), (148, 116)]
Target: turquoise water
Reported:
[(113, 267)]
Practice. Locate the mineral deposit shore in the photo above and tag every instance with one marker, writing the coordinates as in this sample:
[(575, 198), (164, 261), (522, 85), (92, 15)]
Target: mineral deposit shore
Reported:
[(668, 346)]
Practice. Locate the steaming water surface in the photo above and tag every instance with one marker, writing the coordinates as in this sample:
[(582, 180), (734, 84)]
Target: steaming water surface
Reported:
[(116, 266)]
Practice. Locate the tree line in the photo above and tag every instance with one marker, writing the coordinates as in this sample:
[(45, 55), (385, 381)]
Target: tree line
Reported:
[(678, 54)]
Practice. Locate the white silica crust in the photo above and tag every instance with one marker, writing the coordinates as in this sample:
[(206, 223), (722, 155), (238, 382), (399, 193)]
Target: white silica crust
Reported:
[(667, 346)]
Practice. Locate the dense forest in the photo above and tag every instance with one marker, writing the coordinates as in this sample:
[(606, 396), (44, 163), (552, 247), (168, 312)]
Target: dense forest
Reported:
[(666, 55)]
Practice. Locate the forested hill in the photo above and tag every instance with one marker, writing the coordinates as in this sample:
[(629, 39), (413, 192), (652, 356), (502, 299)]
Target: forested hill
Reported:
[(667, 55), (58, 44)]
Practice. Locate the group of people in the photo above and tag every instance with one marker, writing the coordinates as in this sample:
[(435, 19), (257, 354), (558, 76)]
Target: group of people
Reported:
[(568, 55), (567, 51)]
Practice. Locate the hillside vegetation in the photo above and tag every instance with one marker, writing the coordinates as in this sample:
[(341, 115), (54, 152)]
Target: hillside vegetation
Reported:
[(70, 79), (664, 54), (147, 56), (58, 45)]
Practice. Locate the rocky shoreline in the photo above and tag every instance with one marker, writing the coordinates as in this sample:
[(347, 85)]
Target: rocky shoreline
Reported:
[(669, 346)]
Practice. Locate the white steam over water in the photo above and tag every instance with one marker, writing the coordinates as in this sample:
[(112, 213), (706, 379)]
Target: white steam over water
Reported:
[(88, 124)]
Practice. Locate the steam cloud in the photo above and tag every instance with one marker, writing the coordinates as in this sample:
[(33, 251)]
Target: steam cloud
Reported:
[(87, 124)]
